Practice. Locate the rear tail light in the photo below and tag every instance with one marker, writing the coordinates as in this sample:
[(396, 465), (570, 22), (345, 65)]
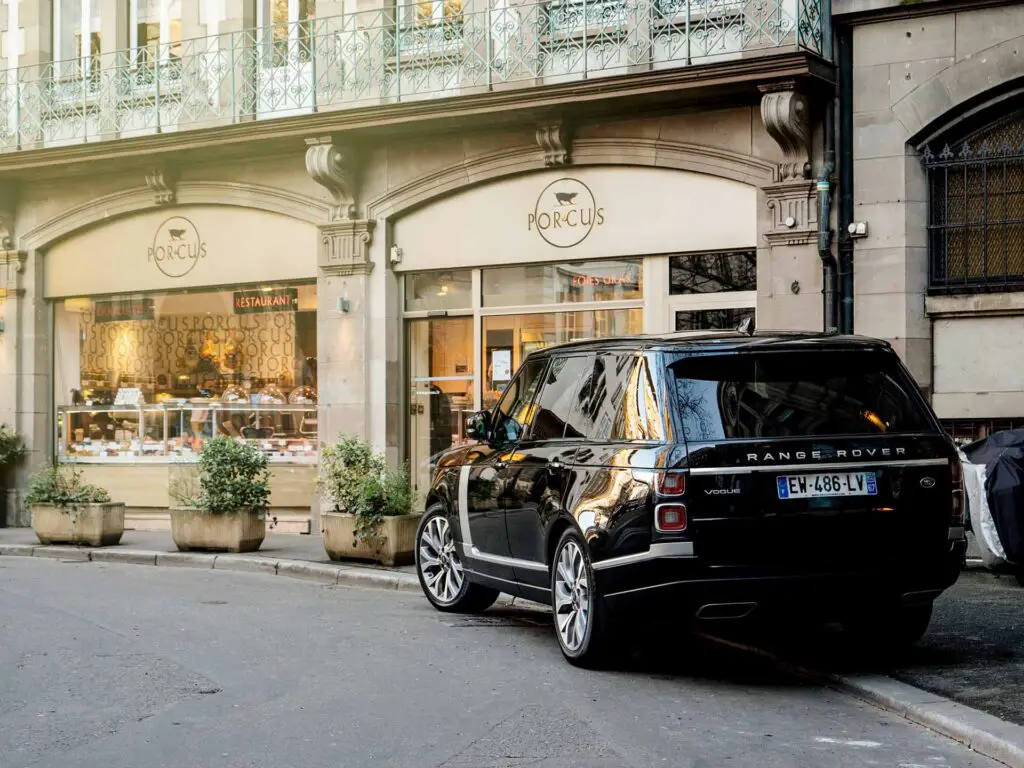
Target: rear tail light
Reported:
[(670, 518), (671, 483), (959, 506)]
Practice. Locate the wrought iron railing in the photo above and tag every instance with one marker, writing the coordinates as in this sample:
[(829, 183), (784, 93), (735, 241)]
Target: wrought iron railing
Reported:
[(386, 56), (976, 217), (964, 431)]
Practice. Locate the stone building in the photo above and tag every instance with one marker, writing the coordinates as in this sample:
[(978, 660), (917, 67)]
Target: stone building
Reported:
[(935, 134), (293, 220)]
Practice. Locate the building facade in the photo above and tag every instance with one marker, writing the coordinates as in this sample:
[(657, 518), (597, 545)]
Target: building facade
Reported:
[(293, 221), (936, 138)]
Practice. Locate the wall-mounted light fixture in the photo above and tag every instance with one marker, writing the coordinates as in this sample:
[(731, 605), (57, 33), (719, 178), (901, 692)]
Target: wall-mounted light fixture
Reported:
[(344, 305)]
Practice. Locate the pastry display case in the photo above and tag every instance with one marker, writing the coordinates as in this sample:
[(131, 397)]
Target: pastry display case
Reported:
[(173, 430)]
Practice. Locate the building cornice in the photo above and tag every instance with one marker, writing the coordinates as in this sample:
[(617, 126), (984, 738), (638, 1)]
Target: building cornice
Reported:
[(868, 11), (736, 81)]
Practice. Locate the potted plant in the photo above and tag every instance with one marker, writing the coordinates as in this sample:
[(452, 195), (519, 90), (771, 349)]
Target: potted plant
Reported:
[(221, 504), (11, 451), (371, 505), (67, 511)]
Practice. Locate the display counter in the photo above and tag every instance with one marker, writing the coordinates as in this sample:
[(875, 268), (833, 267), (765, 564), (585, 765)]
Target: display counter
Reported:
[(133, 452), (167, 433)]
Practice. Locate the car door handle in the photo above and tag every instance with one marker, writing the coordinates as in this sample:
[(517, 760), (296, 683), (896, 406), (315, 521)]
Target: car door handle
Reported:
[(556, 464)]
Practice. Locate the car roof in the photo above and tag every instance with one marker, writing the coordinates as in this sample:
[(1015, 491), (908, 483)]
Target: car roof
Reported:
[(720, 341)]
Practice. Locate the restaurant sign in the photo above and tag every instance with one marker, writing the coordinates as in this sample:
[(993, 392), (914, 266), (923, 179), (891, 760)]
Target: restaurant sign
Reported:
[(119, 310), (276, 300)]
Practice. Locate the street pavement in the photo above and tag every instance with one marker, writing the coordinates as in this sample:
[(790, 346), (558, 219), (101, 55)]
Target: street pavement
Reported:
[(119, 665)]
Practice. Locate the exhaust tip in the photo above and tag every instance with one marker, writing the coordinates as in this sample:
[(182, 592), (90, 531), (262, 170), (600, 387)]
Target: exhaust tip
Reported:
[(725, 610)]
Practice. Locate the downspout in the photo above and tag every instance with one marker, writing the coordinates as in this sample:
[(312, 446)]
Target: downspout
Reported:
[(829, 263), (846, 211)]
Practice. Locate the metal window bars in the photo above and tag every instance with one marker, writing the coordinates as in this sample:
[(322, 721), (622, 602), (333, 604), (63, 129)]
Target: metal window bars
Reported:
[(976, 214), (387, 56)]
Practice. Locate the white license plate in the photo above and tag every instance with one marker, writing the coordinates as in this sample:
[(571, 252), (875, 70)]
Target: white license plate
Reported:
[(823, 485)]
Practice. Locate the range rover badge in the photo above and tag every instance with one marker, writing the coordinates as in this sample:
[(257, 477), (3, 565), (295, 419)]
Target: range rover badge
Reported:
[(927, 482)]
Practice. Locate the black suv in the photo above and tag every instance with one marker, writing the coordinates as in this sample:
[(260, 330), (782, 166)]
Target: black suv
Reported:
[(708, 477)]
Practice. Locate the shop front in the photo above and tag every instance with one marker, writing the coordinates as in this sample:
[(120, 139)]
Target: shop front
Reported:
[(501, 270), (202, 322)]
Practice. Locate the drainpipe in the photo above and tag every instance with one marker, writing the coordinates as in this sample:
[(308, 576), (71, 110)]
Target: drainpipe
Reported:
[(829, 264), (845, 209)]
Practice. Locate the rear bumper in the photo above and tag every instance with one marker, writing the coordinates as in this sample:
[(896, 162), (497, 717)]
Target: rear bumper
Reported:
[(686, 586)]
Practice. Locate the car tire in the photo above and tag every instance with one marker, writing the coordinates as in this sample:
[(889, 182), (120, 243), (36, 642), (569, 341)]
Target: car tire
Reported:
[(580, 615), (440, 570), (891, 629)]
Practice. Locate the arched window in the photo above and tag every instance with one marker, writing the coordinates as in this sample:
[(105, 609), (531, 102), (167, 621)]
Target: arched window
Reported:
[(976, 210)]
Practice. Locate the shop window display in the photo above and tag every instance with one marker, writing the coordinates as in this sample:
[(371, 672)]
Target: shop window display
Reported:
[(154, 376)]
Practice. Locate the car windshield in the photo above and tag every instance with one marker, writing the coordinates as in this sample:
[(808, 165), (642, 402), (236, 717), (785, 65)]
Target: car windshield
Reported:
[(794, 394)]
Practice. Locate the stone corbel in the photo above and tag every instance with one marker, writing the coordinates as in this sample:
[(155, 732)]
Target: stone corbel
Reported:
[(345, 248), (12, 263), (332, 169), (162, 182), (555, 140), (794, 208), (786, 115)]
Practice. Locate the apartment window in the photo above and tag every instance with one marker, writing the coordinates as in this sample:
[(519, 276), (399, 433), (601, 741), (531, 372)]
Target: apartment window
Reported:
[(76, 38), (976, 210), (431, 23), (155, 31), (291, 30)]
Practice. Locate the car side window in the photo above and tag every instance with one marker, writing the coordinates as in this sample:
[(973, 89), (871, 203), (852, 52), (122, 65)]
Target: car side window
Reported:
[(561, 381), (515, 411), (600, 394), (638, 416)]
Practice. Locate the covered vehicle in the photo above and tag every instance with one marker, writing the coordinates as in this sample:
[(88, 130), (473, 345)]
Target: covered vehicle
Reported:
[(1001, 507)]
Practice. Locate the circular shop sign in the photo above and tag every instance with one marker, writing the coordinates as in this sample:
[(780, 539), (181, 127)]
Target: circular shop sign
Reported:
[(177, 247), (566, 213)]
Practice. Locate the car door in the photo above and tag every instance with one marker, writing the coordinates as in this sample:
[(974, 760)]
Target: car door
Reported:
[(484, 492), (539, 468)]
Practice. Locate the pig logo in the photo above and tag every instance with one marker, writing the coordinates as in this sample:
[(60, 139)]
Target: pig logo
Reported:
[(177, 247), (565, 214)]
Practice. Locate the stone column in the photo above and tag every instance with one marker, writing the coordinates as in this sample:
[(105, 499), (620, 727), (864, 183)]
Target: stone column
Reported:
[(789, 270), (28, 83), (24, 369)]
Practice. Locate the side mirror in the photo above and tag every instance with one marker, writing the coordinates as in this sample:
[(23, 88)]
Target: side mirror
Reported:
[(479, 426)]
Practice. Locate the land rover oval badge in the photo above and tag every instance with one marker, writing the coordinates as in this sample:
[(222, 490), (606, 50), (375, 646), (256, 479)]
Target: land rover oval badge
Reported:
[(927, 482)]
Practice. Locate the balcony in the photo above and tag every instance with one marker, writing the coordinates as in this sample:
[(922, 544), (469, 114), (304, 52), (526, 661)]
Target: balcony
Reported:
[(388, 57)]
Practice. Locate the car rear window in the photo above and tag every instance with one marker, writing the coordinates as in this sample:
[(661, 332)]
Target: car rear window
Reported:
[(794, 394)]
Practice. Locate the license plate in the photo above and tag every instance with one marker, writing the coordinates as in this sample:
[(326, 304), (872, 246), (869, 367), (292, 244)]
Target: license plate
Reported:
[(836, 484)]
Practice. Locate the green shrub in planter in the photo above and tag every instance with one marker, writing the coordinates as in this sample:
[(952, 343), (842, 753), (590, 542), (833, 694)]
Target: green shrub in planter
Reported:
[(66, 510), (356, 480), (61, 486), (12, 449), (231, 476)]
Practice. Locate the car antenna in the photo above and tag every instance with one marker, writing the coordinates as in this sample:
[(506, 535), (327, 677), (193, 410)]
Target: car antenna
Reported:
[(746, 327)]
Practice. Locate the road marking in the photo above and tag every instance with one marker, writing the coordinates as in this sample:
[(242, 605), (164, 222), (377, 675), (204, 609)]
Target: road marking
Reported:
[(847, 742)]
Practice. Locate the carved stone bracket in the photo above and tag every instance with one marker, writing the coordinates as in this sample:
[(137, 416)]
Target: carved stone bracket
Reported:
[(555, 139), (162, 183), (786, 115), (12, 263), (794, 208), (345, 248), (332, 169)]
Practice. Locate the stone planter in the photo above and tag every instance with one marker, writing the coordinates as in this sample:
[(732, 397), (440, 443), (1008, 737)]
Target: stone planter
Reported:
[(196, 531), (96, 525), (397, 546)]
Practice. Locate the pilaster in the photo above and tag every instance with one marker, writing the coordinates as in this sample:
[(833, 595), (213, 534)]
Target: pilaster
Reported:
[(789, 277)]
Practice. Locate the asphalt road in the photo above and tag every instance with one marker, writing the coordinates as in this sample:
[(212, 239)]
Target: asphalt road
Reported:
[(110, 665)]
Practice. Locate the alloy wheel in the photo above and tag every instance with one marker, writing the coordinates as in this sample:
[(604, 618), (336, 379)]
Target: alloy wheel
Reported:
[(439, 562), (572, 597)]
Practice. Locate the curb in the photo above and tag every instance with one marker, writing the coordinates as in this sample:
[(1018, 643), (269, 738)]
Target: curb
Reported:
[(978, 731), (322, 573)]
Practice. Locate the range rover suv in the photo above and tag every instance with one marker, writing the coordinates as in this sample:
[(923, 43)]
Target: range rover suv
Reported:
[(706, 478)]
